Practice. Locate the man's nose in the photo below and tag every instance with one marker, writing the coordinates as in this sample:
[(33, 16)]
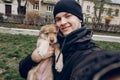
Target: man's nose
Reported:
[(63, 21)]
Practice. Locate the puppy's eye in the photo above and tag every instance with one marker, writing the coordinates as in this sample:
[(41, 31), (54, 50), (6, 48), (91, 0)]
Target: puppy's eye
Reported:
[(46, 33), (55, 32)]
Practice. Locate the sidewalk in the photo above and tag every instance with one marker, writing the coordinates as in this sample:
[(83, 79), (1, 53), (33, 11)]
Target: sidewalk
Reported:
[(36, 32)]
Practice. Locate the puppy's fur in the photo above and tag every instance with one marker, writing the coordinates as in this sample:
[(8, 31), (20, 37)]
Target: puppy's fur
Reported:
[(43, 71)]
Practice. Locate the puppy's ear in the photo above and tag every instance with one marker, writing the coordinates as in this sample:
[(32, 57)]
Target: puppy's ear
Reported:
[(57, 28), (42, 30)]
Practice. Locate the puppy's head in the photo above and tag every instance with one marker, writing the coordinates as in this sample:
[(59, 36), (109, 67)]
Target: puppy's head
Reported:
[(49, 32)]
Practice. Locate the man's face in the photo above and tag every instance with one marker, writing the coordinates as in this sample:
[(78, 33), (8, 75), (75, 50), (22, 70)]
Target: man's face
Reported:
[(67, 22)]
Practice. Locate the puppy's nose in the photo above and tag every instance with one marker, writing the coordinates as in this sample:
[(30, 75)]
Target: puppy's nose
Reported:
[(51, 39)]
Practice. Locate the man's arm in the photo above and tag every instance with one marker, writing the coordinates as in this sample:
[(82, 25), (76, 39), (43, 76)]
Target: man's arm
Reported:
[(25, 65), (32, 60)]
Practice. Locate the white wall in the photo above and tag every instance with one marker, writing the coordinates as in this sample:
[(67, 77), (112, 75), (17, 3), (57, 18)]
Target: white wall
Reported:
[(2, 8), (14, 6)]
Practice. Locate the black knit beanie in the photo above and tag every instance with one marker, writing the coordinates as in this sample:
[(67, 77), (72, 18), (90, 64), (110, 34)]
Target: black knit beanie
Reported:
[(70, 6)]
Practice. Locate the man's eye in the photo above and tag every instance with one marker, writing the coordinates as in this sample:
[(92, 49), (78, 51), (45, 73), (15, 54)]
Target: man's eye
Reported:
[(57, 19), (68, 16)]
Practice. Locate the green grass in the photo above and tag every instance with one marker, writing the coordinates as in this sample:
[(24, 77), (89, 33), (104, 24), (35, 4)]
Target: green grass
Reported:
[(13, 48), (108, 45)]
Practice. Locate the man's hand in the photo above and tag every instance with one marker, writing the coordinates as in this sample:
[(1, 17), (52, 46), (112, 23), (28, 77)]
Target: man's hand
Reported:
[(37, 57)]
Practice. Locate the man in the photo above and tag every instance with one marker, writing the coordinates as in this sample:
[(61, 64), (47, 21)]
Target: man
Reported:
[(82, 57)]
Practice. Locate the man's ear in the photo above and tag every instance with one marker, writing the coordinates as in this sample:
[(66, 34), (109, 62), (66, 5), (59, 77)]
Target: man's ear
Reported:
[(81, 21)]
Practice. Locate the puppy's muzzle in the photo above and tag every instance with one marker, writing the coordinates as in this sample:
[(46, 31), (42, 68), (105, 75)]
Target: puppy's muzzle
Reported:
[(52, 40)]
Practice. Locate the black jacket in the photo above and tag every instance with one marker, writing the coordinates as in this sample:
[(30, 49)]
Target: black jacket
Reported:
[(80, 55)]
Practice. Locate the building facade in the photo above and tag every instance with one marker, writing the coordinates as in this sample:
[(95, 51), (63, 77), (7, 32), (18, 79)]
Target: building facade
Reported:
[(8, 7), (45, 8), (110, 10)]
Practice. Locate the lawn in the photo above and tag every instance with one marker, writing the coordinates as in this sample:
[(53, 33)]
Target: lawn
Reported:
[(13, 48)]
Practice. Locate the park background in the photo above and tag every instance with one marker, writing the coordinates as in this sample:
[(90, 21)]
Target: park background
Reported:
[(21, 15)]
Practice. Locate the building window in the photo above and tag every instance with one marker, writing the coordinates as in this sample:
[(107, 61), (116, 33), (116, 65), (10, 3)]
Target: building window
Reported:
[(88, 8), (50, 8), (36, 6), (109, 11), (117, 12)]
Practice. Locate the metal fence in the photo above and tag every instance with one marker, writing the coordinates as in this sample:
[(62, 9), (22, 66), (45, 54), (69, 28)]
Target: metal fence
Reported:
[(104, 28), (47, 19), (21, 19)]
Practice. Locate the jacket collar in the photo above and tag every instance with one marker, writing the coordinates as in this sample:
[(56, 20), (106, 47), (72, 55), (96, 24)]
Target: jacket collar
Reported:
[(81, 35)]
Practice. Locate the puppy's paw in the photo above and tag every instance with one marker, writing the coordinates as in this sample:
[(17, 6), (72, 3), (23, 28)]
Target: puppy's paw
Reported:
[(43, 48), (59, 66)]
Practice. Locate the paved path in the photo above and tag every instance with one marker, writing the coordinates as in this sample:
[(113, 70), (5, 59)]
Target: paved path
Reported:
[(106, 38), (36, 32), (19, 31)]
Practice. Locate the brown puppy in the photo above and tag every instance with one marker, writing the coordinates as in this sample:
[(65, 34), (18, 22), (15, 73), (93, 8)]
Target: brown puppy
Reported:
[(43, 71)]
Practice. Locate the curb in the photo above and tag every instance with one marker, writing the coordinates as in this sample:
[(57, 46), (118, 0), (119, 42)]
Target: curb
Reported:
[(19, 31), (36, 32), (106, 38)]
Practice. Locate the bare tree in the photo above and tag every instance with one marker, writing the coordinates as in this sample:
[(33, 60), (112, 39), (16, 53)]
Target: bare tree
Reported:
[(21, 8), (98, 11)]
